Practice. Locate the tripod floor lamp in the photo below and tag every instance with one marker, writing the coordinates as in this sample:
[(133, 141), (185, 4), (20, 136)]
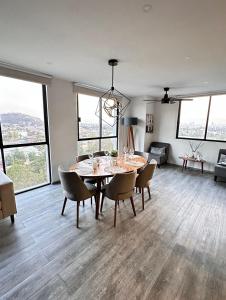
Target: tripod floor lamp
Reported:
[(129, 122)]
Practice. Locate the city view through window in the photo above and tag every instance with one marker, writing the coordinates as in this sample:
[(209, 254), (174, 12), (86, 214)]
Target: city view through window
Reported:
[(94, 133), (203, 118), (23, 139)]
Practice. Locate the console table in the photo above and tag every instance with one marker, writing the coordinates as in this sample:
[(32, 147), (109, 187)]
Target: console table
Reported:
[(187, 158)]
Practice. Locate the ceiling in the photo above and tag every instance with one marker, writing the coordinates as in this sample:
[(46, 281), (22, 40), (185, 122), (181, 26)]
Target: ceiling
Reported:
[(177, 43)]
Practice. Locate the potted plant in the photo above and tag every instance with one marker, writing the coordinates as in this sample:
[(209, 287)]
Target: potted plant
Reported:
[(114, 154)]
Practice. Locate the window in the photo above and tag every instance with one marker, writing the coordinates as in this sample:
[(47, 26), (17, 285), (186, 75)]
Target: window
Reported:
[(204, 118), (93, 133), (24, 133)]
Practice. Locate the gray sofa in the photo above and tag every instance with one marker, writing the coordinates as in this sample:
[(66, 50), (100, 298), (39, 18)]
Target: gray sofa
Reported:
[(220, 170), (161, 158)]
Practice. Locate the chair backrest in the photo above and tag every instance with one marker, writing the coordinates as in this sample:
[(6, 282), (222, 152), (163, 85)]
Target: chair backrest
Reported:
[(221, 151), (73, 186), (160, 145), (82, 157), (145, 175), (121, 186), (144, 154), (98, 153)]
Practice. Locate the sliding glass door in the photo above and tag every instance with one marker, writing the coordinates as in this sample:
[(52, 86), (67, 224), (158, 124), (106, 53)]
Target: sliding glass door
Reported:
[(24, 141)]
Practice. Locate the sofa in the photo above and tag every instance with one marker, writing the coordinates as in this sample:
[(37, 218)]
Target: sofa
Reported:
[(160, 152), (220, 167), (7, 197)]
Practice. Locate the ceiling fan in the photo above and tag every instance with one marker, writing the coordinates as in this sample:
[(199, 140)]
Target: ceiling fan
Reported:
[(168, 100)]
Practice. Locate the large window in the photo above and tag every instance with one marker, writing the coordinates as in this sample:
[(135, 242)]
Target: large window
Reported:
[(24, 133), (93, 133), (204, 118)]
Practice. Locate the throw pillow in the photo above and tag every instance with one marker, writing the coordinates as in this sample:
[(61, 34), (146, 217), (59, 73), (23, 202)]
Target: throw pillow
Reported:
[(222, 160), (158, 151)]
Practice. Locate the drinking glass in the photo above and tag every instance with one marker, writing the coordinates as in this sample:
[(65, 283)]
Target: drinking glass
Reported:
[(125, 150), (131, 152), (91, 156)]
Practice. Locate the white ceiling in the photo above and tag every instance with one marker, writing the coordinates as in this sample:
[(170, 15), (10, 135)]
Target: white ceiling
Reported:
[(178, 43)]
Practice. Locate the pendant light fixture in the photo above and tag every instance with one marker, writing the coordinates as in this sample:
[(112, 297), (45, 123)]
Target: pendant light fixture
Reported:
[(112, 102)]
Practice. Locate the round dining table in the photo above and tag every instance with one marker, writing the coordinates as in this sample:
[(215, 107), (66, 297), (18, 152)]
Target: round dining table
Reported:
[(103, 167)]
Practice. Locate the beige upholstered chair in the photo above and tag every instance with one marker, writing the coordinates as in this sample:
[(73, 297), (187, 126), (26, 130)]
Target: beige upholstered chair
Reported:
[(7, 198), (98, 153), (75, 189), (82, 157), (143, 180), (120, 188), (144, 154)]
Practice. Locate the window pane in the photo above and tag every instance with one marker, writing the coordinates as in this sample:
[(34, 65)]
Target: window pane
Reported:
[(193, 118), (217, 118), (27, 166), (109, 144), (21, 107), (86, 147), (107, 124), (1, 164), (89, 123)]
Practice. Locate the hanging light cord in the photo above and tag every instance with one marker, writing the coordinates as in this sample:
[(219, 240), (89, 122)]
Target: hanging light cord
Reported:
[(112, 78)]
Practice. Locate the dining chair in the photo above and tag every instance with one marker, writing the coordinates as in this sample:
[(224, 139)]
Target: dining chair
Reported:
[(82, 157), (91, 181), (120, 188), (144, 154), (143, 180), (75, 189), (98, 153)]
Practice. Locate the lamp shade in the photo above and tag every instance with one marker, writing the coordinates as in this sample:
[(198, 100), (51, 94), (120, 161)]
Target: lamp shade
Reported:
[(128, 121)]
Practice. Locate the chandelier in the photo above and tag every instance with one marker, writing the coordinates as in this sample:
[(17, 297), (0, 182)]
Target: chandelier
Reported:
[(113, 102)]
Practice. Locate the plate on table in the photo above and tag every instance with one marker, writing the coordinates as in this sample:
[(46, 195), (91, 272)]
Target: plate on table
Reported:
[(83, 170), (115, 170), (135, 163)]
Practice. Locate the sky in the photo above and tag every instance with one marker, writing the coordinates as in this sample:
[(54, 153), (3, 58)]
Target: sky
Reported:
[(21, 96), (197, 109)]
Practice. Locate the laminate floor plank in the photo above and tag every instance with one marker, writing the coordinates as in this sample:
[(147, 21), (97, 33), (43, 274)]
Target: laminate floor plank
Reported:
[(174, 249)]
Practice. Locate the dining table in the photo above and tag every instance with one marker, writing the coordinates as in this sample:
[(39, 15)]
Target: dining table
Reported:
[(102, 167)]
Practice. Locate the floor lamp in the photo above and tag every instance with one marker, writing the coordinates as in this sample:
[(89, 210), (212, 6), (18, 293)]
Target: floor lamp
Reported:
[(129, 122)]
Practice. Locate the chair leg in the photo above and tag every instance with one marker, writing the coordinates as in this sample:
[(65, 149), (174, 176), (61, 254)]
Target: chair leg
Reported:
[(149, 192), (215, 178), (65, 201), (133, 207), (12, 218), (83, 202), (102, 202), (78, 204), (91, 200), (115, 213), (142, 190)]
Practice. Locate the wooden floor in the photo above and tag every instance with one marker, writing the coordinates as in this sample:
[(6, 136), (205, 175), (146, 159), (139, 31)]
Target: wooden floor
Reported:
[(174, 249)]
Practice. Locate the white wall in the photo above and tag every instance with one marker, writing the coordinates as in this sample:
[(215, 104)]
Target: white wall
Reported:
[(138, 108), (165, 131), (62, 124), (165, 122)]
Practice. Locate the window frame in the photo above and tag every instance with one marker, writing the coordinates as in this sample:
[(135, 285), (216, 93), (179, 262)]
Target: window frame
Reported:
[(206, 125), (46, 142), (100, 124)]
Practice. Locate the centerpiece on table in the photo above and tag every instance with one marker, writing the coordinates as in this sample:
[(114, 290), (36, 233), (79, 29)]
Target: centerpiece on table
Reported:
[(194, 148), (114, 155)]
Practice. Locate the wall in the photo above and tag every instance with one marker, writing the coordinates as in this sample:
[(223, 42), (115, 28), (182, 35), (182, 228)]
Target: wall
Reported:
[(165, 131), (62, 124), (62, 110), (138, 108), (165, 122)]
